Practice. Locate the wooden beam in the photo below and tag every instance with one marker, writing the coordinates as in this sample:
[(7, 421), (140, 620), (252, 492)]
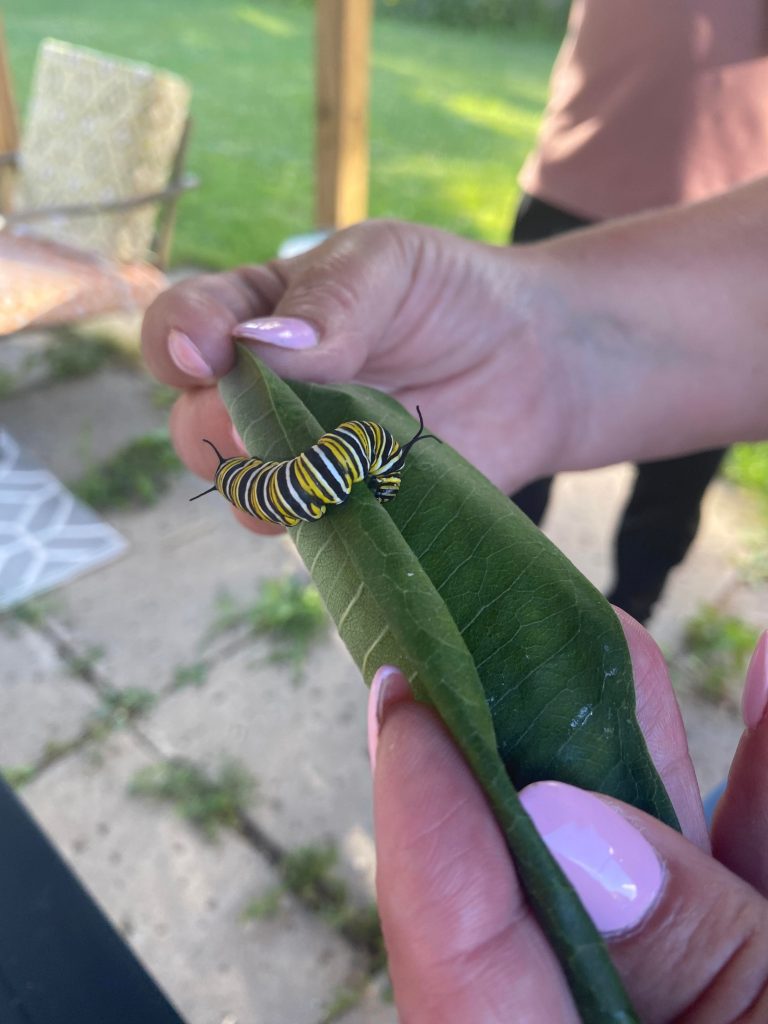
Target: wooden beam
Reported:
[(342, 39)]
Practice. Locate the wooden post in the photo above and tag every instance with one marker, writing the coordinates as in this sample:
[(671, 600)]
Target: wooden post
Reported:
[(9, 128), (342, 39)]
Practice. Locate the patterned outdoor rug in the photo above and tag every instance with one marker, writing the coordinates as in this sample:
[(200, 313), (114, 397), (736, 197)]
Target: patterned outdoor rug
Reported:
[(47, 536)]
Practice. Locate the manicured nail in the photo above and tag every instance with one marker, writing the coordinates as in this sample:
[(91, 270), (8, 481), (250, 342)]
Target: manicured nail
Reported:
[(613, 868), (754, 700), (186, 355), (284, 331), (388, 687)]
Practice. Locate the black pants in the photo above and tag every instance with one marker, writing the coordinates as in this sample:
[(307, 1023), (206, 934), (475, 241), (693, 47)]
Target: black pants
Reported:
[(662, 515), (61, 961)]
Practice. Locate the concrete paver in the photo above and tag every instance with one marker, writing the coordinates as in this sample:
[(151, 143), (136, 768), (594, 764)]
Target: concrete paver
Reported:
[(178, 899), (713, 735), (375, 1007), (41, 703), (305, 744), (70, 425), (583, 520), (152, 610)]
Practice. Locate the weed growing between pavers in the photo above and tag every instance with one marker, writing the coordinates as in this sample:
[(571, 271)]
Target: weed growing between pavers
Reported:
[(119, 708), (308, 874), (207, 802), (718, 647), (344, 998), (33, 612), (7, 383), (265, 907), (18, 775), (71, 354), (162, 395), (288, 610), (138, 475), (194, 674), (83, 663)]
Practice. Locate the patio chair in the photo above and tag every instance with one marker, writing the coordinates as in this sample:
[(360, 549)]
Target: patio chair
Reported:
[(88, 194)]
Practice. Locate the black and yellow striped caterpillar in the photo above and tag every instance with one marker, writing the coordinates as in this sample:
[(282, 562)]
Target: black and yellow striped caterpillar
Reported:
[(301, 489)]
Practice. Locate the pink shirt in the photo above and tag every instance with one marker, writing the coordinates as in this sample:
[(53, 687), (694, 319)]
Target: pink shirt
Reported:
[(653, 102)]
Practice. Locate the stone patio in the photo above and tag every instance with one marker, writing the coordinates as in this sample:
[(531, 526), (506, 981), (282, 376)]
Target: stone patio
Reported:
[(181, 900)]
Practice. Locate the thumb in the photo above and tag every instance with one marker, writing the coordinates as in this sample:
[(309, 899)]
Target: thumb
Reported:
[(689, 938), (339, 301)]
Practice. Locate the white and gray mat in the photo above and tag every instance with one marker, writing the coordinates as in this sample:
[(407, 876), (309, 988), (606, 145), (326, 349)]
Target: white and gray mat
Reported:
[(47, 536)]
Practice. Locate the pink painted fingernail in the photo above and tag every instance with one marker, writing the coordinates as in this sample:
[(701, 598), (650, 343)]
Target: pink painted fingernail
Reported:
[(388, 687), (283, 331), (612, 867), (754, 700), (186, 355)]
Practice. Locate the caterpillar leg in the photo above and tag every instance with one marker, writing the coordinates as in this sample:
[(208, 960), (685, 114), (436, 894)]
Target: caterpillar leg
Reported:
[(385, 488)]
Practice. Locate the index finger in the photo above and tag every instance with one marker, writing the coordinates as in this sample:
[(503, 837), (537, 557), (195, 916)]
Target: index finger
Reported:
[(186, 334)]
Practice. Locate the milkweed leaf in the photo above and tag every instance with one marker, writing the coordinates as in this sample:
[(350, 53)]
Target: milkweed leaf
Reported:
[(523, 659)]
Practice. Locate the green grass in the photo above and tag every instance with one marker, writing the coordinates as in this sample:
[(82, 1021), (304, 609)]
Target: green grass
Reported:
[(289, 611), (209, 802), (7, 383), (18, 775), (33, 612), (193, 674), (747, 466), (136, 476), (720, 646), (71, 354), (264, 907), (120, 707), (453, 113), (309, 874)]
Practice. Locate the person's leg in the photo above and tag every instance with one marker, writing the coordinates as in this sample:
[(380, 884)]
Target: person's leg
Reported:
[(658, 526), (533, 498), (536, 220), (61, 961)]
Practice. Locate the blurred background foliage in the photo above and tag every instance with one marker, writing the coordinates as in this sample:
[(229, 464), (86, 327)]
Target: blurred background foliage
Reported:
[(453, 113), (550, 15)]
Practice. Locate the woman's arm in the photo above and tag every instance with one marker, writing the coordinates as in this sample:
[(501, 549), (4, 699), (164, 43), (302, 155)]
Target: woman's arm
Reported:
[(662, 330), (637, 340)]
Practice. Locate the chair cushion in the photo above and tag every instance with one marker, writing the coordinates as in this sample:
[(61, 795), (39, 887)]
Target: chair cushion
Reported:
[(43, 284), (98, 129)]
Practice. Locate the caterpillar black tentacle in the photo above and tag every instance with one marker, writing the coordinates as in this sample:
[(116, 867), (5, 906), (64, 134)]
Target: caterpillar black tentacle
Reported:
[(301, 489)]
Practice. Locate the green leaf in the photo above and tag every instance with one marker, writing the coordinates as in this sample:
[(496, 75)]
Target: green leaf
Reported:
[(523, 659)]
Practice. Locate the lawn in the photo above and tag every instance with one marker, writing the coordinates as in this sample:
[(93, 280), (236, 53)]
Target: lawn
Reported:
[(452, 116)]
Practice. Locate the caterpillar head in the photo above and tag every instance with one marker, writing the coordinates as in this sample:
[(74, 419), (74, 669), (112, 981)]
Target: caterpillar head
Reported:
[(222, 462), (400, 453)]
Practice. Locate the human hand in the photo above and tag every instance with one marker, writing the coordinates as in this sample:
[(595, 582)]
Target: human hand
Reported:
[(690, 944), (423, 315)]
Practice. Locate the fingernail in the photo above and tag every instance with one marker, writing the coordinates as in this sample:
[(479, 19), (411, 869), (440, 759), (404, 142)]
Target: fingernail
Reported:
[(754, 700), (186, 355), (388, 687), (284, 331), (612, 867)]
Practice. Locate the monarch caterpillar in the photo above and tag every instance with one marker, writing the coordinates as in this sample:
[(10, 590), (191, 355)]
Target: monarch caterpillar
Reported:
[(301, 489)]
